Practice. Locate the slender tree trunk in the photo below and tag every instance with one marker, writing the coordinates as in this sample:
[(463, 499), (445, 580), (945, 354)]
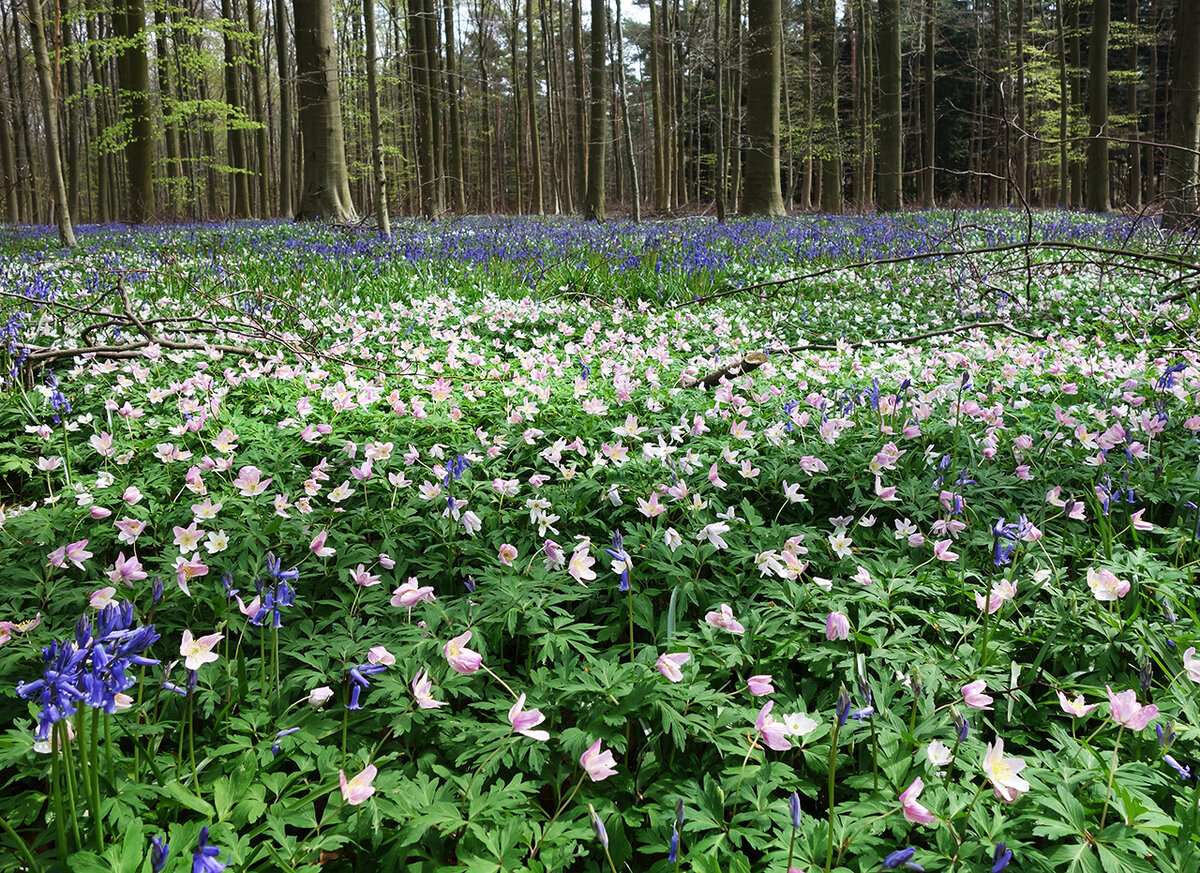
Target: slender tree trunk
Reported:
[(24, 146), (424, 121), (891, 133), (737, 95), (593, 207), (1022, 186), (37, 33), (1150, 177), (258, 79), (929, 197), (580, 101), (486, 125), (1075, 61), (762, 194), (635, 193), (1097, 164), (74, 123), (656, 103), (1134, 194), (458, 194), (381, 191), (1179, 184), (866, 98), (8, 168), (535, 155), (831, 165), (1064, 108), (997, 160), (286, 170), (239, 188), (134, 75), (170, 128), (806, 177), (326, 190), (718, 113)]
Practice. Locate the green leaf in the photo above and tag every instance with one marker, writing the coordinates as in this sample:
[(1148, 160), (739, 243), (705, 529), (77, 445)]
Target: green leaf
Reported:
[(175, 791)]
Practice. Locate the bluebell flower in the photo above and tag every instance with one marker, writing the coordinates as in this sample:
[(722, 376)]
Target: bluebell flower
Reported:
[(843, 706), (1185, 773), (794, 809), (598, 826), (1001, 857), (160, 849), (621, 559), (902, 858), (206, 858)]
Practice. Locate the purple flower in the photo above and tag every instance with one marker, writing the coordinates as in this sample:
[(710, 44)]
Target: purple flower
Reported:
[(159, 850), (902, 858), (1001, 857), (206, 858)]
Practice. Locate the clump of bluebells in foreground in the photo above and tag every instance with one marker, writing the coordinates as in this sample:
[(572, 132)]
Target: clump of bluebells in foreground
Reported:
[(480, 585)]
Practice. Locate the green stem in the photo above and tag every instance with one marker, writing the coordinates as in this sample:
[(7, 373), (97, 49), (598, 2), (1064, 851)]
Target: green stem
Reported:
[(631, 651), (23, 849), (833, 747), (69, 778), (60, 831), (1112, 771), (578, 782), (94, 784)]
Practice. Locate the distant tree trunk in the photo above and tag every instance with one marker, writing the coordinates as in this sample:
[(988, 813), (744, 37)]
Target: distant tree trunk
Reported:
[(381, 194), (635, 193), (258, 79), (1064, 110), (718, 113), (104, 212), (656, 104), (170, 128), (8, 167), (287, 181), (37, 33), (928, 197), (593, 207), (75, 122), (997, 160), (1022, 186), (1097, 162), (133, 71), (1149, 176), (831, 164), (424, 120), (488, 128), (580, 101), (1179, 184), (1076, 61), (1134, 195), (535, 155), (326, 190), (806, 177), (239, 188), (458, 194), (736, 34), (891, 133), (762, 194)]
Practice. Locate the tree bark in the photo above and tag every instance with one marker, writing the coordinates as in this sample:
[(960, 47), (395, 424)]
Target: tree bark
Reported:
[(535, 154), (258, 78), (593, 207), (1134, 194), (381, 196), (133, 71), (37, 33), (718, 113), (1097, 158), (458, 194), (287, 184), (635, 193), (326, 190), (762, 195), (1179, 184), (831, 164), (239, 188), (891, 133), (929, 196)]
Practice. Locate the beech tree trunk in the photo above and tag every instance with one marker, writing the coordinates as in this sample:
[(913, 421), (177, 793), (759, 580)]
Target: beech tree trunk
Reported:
[(37, 32), (381, 201), (762, 195), (326, 189), (593, 205), (133, 72), (891, 132), (1179, 184), (1097, 156)]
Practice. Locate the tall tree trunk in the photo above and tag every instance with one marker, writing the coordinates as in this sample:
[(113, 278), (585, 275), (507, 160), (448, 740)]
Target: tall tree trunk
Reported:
[(8, 167), (580, 101), (239, 188), (258, 78), (593, 207), (535, 154), (37, 33), (1149, 176), (737, 94), (170, 128), (1134, 194), (1179, 184), (718, 113), (74, 116), (381, 193), (24, 145), (656, 104), (133, 70), (762, 194), (891, 133), (929, 138), (806, 178), (458, 194), (487, 126), (997, 159), (103, 213), (831, 165), (326, 190), (1064, 110), (287, 183), (1097, 164), (424, 120), (635, 194), (1022, 187), (1076, 61)]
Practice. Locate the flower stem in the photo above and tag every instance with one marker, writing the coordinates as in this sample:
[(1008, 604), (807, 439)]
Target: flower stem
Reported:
[(833, 747), (1112, 771), (533, 852)]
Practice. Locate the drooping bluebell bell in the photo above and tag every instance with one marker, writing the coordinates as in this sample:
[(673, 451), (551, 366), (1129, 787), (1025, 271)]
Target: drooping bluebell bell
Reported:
[(962, 726), (206, 858), (843, 706), (619, 555), (1166, 736), (279, 736), (1001, 857), (160, 849), (902, 858), (598, 826), (1185, 773), (794, 809), (358, 675)]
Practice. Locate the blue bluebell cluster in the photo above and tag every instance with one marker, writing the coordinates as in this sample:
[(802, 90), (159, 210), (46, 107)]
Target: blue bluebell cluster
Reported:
[(91, 669), (359, 679)]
